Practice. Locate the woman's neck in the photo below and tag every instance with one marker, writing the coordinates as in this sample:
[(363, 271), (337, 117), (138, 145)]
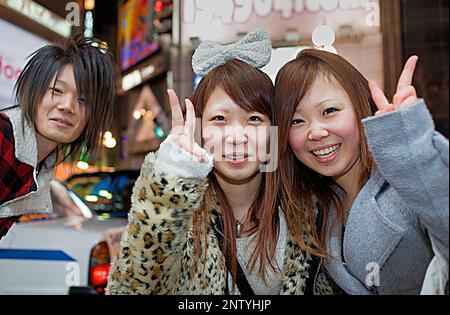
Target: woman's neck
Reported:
[(45, 147), (240, 195), (349, 183)]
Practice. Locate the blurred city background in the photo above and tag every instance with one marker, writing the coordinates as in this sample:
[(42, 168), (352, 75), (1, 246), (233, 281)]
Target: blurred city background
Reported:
[(153, 42)]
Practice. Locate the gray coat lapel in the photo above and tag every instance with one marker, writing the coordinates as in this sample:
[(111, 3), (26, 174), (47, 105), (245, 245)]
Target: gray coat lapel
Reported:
[(370, 238), (338, 269)]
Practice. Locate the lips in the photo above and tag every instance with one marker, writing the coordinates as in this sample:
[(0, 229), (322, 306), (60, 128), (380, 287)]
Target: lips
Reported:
[(326, 154), (326, 150), (236, 157), (62, 121)]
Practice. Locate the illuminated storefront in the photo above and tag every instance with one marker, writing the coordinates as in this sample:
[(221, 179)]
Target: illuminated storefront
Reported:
[(354, 27)]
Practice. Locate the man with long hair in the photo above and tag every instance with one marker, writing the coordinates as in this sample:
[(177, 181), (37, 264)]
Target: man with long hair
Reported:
[(64, 103)]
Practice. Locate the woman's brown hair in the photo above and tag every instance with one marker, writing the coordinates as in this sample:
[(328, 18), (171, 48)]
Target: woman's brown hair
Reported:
[(252, 90), (298, 182), (94, 73)]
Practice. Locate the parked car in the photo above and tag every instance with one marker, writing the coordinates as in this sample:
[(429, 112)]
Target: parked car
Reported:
[(69, 251)]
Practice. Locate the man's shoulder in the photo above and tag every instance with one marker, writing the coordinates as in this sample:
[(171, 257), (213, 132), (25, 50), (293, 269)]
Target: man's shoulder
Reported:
[(6, 128)]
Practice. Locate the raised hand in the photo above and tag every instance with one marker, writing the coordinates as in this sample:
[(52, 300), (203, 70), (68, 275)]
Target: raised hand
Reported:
[(183, 131), (404, 96)]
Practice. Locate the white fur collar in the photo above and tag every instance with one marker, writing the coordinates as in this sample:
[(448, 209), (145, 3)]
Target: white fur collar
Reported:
[(24, 139), (25, 145)]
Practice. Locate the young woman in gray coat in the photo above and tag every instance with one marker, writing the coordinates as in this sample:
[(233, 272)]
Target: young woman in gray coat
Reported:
[(378, 169)]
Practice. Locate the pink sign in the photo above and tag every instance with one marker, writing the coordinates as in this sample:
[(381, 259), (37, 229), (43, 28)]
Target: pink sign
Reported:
[(16, 45), (222, 20)]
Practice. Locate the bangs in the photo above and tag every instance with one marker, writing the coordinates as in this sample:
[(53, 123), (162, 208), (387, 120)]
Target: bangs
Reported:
[(36, 77), (248, 97), (250, 88)]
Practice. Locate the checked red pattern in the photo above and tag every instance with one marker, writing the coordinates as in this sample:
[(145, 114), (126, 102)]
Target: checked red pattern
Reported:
[(16, 178)]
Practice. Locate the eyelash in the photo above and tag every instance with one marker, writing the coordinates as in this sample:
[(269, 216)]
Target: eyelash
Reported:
[(297, 121), (328, 109), (56, 90), (325, 112), (221, 118), (259, 119), (216, 118)]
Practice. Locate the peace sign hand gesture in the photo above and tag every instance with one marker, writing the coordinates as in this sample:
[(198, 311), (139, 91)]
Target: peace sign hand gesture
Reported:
[(405, 95), (183, 131)]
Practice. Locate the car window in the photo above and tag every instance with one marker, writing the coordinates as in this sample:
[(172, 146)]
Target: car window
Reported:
[(107, 194)]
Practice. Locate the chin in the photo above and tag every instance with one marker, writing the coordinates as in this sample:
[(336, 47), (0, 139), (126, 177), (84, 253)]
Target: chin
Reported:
[(58, 138), (235, 174), (327, 171), (240, 177)]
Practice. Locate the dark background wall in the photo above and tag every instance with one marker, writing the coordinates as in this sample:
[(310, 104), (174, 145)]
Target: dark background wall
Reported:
[(425, 29)]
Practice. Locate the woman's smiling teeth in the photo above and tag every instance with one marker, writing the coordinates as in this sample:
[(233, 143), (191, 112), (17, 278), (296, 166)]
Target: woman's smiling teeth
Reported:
[(327, 152), (235, 156)]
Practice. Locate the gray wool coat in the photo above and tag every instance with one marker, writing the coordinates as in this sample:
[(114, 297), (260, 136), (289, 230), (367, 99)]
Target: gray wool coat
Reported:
[(386, 245)]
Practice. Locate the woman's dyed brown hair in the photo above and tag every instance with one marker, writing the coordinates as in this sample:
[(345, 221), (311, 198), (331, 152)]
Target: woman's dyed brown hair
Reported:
[(298, 182), (252, 90)]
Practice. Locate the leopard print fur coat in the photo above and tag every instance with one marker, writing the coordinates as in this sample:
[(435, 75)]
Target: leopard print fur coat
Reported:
[(157, 248)]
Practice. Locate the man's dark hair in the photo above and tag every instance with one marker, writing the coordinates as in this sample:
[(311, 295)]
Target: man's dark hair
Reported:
[(94, 73)]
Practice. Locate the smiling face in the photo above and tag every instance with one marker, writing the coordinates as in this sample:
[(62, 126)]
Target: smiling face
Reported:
[(324, 133), (61, 115), (237, 139)]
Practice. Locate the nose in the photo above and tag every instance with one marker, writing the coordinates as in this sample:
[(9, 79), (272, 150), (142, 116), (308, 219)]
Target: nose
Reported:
[(236, 135), (67, 104), (317, 132)]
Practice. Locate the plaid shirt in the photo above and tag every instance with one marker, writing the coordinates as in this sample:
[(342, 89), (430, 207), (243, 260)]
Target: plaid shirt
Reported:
[(6, 223), (16, 178)]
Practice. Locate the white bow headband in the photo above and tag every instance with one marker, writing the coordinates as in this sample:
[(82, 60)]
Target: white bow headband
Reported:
[(255, 49)]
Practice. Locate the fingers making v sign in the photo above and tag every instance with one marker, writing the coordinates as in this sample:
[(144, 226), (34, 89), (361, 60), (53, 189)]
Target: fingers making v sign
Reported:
[(183, 130), (405, 94)]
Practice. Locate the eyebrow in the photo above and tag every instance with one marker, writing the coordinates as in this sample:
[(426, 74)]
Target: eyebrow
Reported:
[(219, 110), (328, 100), (61, 81), (320, 103)]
